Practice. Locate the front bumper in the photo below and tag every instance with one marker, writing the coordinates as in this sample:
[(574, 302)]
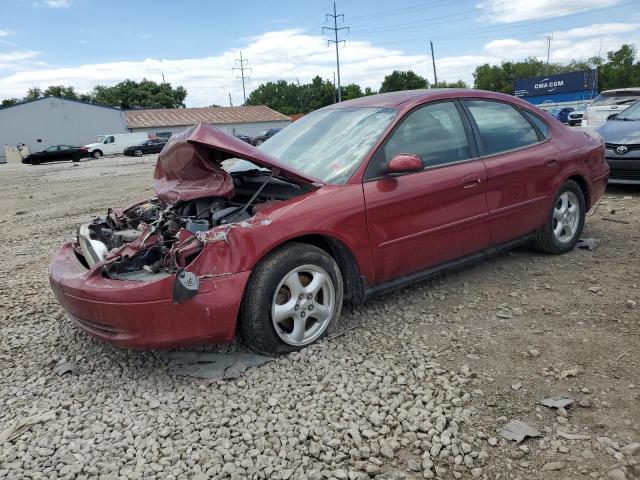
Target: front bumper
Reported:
[(624, 169), (140, 314)]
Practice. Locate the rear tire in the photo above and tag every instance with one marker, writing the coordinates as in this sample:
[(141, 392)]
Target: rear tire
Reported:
[(292, 300), (564, 226), (75, 158), (138, 152)]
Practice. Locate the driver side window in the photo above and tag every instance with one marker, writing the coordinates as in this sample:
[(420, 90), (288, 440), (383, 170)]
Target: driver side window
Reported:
[(109, 139), (435, 133)]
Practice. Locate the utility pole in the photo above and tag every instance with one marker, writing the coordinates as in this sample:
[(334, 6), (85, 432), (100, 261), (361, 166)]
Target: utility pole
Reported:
[(334, 86), (242, 61), (163, 78), (549, 38), (433, 61), (299, 100), (335, 30), (230, 104)]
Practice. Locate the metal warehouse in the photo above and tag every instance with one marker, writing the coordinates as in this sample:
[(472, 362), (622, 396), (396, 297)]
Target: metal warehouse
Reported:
[(248, 120), (52, 121)]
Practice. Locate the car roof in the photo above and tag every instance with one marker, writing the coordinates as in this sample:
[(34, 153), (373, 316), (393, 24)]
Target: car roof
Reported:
[(615, 90), (397, 99)]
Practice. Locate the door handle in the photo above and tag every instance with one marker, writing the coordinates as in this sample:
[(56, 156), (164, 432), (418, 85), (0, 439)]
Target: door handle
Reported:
[(471, 181), (551, 161)]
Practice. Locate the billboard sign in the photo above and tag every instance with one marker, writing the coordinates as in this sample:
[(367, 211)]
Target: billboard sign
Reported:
[(581, 81)]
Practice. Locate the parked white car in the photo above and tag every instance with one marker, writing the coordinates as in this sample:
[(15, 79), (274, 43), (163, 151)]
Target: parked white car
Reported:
[(115, 144), (609, 103)]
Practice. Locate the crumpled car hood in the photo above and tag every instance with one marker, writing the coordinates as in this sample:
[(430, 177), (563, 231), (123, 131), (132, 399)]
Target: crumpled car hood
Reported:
[(189, 165)]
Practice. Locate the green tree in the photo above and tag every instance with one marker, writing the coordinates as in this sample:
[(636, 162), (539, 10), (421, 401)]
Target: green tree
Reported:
[(61, 91), (399, 80), (351, 91), (458, 84), (620, 70), (290, 98), (368, 91), (146, 93), (9, 102), (33, 94)]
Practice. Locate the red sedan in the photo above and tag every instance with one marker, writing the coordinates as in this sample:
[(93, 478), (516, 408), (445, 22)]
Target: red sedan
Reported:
[(350, 201)]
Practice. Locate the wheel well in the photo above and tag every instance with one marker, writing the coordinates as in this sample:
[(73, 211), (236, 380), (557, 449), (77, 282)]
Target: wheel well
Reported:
[(584, 187), (353, 287)]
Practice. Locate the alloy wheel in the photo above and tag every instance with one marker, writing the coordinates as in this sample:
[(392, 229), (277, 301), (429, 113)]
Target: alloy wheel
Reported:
[(566, 217), (303, 305)]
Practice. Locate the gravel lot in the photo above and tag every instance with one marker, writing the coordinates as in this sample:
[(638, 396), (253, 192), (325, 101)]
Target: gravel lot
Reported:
[(419, 389)]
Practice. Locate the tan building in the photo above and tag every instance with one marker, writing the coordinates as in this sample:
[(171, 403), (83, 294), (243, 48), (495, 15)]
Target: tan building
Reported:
[(249, 120)]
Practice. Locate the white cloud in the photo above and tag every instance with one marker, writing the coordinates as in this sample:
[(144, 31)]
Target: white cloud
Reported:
[(577, 43), (502, 11), (293, 54), (57, 3), (17, 59), (4, 33)]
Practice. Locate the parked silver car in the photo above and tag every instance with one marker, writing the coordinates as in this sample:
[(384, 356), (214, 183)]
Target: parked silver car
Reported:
[(608, 103)]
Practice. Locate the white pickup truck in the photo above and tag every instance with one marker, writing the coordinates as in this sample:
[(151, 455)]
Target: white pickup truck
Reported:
[(115, 144)]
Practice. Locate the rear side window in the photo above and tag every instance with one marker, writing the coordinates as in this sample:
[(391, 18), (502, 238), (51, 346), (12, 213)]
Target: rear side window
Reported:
[(538, 122), (501, 126), (615, 98)]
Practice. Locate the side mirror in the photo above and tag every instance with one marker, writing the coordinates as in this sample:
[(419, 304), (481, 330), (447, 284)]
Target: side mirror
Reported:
[(612, 116), (404, 163)]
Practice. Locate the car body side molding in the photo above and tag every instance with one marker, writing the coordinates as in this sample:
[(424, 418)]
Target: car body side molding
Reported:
[(406, 280)]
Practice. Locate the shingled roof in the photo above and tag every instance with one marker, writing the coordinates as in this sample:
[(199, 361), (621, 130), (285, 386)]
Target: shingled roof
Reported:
[(190, 116)]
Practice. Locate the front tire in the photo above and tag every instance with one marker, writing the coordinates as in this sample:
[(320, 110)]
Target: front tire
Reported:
[(293, 299), (564, 226), (96, 154)]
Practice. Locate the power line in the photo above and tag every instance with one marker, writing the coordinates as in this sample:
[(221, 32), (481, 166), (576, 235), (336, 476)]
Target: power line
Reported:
[(474, 13), (489, 31), (335, 30), (242, 68)]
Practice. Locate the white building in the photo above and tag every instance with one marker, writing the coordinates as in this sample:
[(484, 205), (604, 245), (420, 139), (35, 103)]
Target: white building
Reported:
[(53, 121), (249, 120)]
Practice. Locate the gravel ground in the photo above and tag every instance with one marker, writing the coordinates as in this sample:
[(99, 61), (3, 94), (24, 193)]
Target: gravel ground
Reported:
[(420, 388)]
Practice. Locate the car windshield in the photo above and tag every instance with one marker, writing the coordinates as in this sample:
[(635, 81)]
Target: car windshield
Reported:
[(631, 113), (330, 144), (615, 98)]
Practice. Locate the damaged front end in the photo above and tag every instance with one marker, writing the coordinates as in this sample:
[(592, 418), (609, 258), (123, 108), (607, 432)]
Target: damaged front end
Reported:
[(197, 202)]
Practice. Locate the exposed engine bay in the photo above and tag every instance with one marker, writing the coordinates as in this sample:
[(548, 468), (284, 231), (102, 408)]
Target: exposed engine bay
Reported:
[(157, 237)]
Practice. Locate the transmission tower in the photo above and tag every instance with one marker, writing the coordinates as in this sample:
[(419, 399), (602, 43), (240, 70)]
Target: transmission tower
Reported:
[(335, 29), (242, 62)]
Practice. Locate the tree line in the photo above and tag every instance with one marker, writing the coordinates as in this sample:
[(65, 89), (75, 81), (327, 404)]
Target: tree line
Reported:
[(618, 69), (126, 95), (293, 97)]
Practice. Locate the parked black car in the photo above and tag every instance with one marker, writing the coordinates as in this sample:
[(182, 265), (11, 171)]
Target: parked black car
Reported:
[(153, 145), (55, 153), (244, 138), (264, 136), (621, 135)]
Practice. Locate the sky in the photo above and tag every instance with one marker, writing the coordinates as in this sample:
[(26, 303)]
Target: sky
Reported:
[(195, 43)]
